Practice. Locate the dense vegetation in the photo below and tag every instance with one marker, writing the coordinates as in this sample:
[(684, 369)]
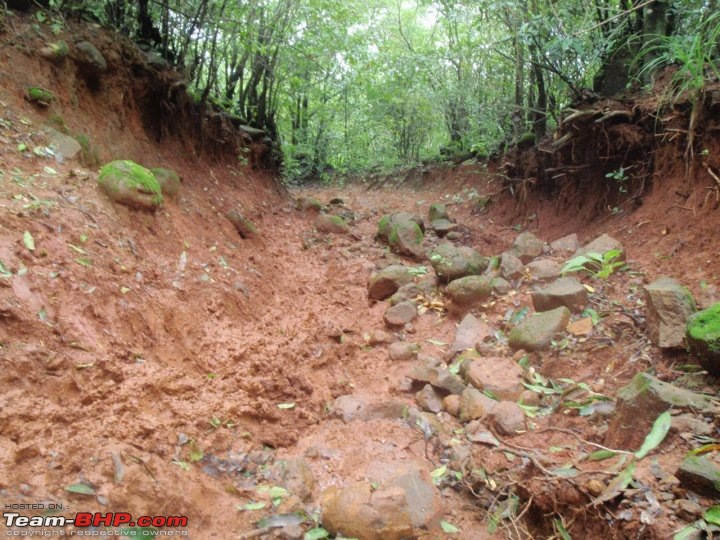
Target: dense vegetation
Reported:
[(347, 86)]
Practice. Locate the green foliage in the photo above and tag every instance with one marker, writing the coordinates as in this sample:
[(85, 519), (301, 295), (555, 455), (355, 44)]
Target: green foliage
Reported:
[(595, 264)]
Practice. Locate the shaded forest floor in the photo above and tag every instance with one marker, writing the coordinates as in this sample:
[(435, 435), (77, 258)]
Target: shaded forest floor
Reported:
[(173, 368)]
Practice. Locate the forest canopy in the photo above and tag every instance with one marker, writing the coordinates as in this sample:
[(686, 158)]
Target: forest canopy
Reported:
[(366, 84)]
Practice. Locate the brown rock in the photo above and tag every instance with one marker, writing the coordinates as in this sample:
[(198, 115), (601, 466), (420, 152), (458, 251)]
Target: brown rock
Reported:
[(380, 337), (544, 269), (567, 245), (468, 292), (602, 245), (451, 405), (527, 246), (328, 223), (500, 376), (297, 477), (567, 292), (474, 405), (401, 351), (387, 281), (469, 333), (429, 399), (400, 314), (507, 417), (349, 408), (669, 305), (511, 267)]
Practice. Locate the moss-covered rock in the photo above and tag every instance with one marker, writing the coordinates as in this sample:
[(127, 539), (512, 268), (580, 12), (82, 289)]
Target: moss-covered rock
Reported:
[(536, 332), (55, 52), (468, 292), (245, 228), (450, 262), (40, 96), (437, 211), (387, 222), (130, 184), (90, 60), (328, 223), (406, 238), (387, 281), (308, 203), (168, 179), (703, 337)]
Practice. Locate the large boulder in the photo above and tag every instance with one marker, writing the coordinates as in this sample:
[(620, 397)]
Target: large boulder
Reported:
[(669, 305), (468, 292), (703, 337), (527, 246), (536, 332), (387, 281), (130, 184), (568, 292), (602, 244), (406, 238), (451, 262)]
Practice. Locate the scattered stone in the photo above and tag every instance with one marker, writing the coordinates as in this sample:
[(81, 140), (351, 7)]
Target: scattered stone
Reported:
[(55, 52), (526, 247), (537, 331), (400, 314), (567, 245), (89, 59), (699, 474), (308, 203), (500, 286), (477, 432), (387, 222), (406, 238), (429, 399), (510, 266), (39, 96), (451, 405), (691, 423), (380, 337), (297, 477), (367, 514), (243, 226), (387, 281), (424, 505), (169, 181), (669, 305), (507, 417), (63, 146), (469, 333), (641, 401), (443, 226), (468, 292), (474, 405), (544, 269), (451, 262), (327, 223), (130, 184), (437, 211), (568, 292), (703, 337), (687, 509), (602, 245), (502, 377), (407, 293), (433, 371), (349, 408), (528, 397), (401, 351), (454, 235)]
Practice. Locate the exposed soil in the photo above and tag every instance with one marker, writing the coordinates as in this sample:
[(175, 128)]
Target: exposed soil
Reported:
[(145, 355)]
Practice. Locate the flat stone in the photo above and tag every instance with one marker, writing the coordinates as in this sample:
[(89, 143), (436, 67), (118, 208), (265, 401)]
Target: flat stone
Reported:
[(387, 281), (703, 337), (641, 401), (469, 333), (429, 399), (544, 269), (511, 267), (567, 292), (526, 247), (474, 405), (601, 245), (507, 417), (400, 314), (669, 305), (567, 245), (401, 351), (350, 408), (537, 331), (502, 377), (699, 474)]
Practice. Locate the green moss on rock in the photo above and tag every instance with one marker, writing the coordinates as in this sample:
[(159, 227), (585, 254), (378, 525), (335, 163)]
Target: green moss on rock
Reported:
[(168, 179), (38, 95), (130, 184), (703, 337)]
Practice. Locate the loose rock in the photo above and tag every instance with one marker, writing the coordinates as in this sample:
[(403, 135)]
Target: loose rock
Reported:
[(243, 226), (567, 245), (469, 333), (474, 405), (700, 475), (502, 377), (451, 262), (451, 405), (507, 417), (130, 184), (406, 238), (537, 331), (387, 281), (443, 227), (401, 351), (308, 203), (429, 399), (400, 314), (328, 223), (602, 245), (380, 337), (669, 305), (89, 59), (567, 292), (526, 247), (468, 292), (349, 408), (544, 269), (703, 337), (510, 266), (437, 211)]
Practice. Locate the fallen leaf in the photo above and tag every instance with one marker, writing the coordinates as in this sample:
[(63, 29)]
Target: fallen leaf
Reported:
[(449, 527), (81, 489), (617, 485), (656, 436), (29, 241)]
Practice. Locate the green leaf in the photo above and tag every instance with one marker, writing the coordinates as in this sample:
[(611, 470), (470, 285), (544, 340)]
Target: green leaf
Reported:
[(713, 515), (290, 405), (316, 534), (84, 261), (252, 506), (449, 527), (22, 147), (29, 241), (656, 436), (601, 455), (82, 489), (617, 484), (561, 530), (439, 472)]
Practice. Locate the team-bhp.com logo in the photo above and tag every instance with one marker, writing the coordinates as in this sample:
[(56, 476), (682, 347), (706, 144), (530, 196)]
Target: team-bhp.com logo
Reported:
[(87, 524)]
